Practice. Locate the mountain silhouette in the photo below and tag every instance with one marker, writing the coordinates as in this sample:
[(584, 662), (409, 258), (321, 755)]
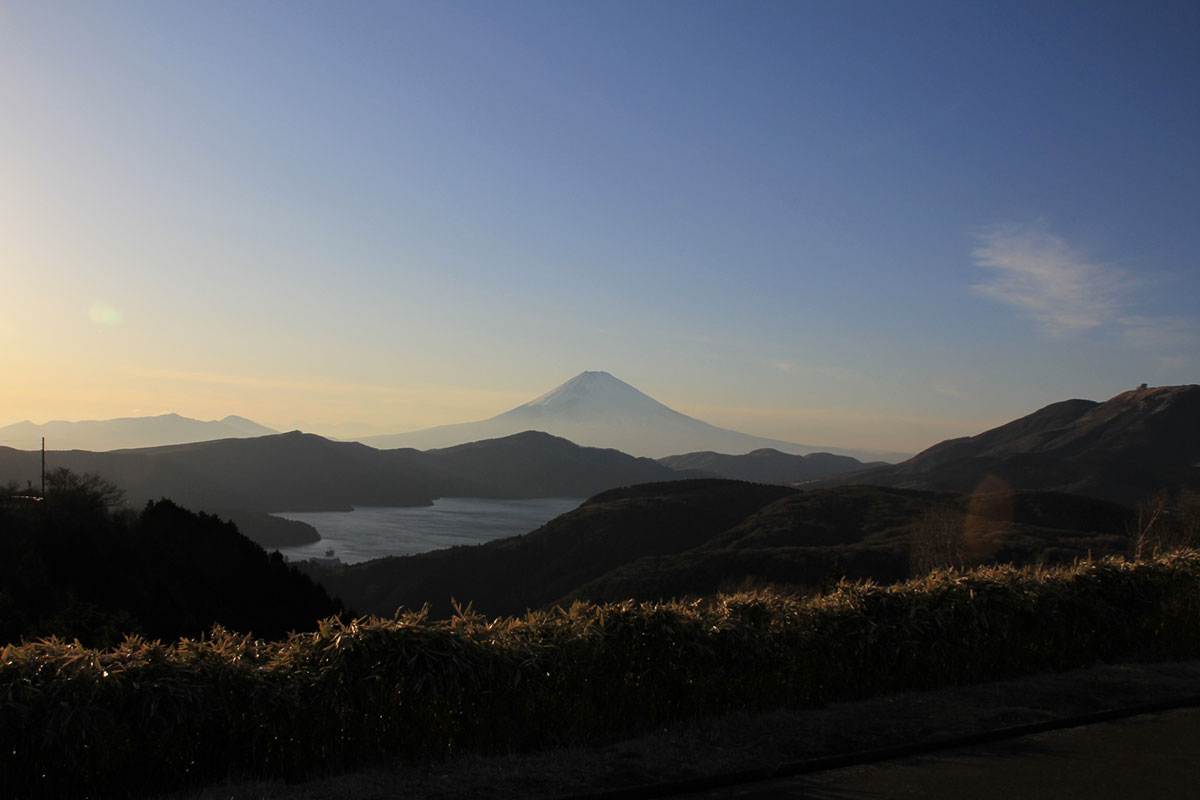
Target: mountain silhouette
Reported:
[(767, 465), (536, 464), (595, 409), (127, 432), (1123, 450), (305, 472), (282, 472)]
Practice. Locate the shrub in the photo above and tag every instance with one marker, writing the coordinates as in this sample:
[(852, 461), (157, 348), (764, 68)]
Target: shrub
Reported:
[(148, 716)]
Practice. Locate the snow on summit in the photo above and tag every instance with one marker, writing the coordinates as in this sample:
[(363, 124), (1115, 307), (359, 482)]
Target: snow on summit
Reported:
[(593, 393)]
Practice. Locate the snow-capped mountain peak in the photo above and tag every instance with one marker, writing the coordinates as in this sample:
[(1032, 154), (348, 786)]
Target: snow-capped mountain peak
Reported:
[(593, 392)]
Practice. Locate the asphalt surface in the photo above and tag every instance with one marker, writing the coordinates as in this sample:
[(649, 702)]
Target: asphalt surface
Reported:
[(1154, 755)]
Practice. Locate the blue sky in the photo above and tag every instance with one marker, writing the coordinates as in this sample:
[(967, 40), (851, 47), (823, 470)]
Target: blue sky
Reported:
[(862, 224)]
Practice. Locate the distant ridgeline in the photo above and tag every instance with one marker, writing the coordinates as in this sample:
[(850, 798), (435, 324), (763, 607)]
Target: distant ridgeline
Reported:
[(73, 566), (1125, 450), (304, 472)]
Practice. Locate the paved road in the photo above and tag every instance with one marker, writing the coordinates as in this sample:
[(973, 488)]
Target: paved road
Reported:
[(1154, 756)]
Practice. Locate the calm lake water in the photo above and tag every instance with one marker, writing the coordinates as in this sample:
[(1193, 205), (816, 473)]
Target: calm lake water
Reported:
[(377, 531)]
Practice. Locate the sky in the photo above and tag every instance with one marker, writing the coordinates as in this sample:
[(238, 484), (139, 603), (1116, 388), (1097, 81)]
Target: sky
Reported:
[(859, 224)]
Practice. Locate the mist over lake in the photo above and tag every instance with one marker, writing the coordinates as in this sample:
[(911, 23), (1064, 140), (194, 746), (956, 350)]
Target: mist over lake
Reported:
[(379, 531)]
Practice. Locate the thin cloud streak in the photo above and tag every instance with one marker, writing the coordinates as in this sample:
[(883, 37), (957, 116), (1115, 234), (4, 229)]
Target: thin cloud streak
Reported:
[(1043, 276), (1040, 274)]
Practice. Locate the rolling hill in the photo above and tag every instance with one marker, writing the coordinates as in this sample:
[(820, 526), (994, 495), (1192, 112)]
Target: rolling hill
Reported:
[(284, 472), (304, 472), (767, 465), (697, 537), (536, 464), (507, 576), (1123, 449)]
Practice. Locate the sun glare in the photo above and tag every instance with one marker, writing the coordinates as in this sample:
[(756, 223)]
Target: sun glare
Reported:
[(104, 314)]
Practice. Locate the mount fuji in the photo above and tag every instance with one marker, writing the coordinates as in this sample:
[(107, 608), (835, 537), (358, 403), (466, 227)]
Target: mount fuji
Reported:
[(595, 409)]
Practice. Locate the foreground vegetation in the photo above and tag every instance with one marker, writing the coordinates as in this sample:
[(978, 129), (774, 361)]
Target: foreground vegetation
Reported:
[(148, 716)]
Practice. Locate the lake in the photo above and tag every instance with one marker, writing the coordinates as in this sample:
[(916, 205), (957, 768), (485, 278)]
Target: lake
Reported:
[(377, 531)]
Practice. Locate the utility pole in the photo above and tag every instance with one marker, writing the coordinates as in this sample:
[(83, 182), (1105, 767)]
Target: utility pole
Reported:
[(43, 466)]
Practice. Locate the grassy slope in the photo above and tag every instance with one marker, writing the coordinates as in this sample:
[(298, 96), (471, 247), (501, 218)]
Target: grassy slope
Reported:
[(861, 532), (691, 538), (510, 576)]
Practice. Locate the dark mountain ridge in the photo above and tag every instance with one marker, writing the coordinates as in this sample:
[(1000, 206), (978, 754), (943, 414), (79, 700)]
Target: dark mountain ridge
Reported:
[(283, 472), (536, 464), (1124, 449), (304, 472), (767, 465)]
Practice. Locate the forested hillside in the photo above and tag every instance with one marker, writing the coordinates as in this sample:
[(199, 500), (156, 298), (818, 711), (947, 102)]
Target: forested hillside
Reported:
[(76, 565), (694, 538)]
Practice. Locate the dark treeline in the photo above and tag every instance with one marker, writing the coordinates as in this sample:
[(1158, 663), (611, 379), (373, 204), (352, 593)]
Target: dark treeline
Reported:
[(75, 564)]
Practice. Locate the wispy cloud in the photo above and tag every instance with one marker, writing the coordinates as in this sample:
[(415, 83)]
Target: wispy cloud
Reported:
[(948, 389), (1066, 292), (1040, 274)]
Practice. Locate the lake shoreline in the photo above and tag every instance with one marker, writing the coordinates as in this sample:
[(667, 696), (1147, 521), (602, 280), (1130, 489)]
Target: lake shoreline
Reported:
[(369, 532)]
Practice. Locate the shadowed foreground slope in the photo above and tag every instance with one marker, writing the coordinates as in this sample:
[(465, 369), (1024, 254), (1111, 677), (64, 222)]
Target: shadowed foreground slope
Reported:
[(691, 538), (72, 568), (509, 576)]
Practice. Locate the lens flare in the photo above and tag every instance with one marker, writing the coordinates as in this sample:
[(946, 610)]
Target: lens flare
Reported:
[(104, 314)]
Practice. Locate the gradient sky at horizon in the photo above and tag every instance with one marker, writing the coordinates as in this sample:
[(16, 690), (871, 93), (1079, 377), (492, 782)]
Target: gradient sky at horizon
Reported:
[(860, 224)]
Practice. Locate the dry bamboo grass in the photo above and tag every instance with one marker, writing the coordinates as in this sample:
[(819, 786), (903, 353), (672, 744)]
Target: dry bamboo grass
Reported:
[(149, 716)]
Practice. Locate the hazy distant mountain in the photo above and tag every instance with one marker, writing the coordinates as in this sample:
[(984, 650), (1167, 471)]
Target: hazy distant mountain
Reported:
[(768, 465), (126, 432), (1123, 449), (597, 410)]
